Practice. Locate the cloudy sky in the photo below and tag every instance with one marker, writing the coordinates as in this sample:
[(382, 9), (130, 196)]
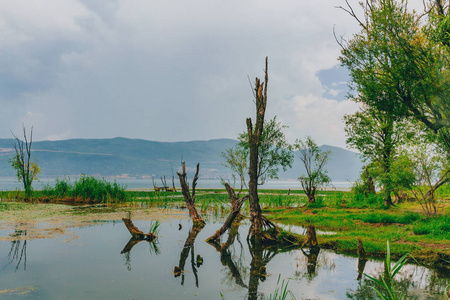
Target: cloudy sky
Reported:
[(170, 70)]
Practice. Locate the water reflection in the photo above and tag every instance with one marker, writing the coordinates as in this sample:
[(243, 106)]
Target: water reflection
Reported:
[(235, 268), (137, 236), (18, 251), (189, 248), (92, 268)]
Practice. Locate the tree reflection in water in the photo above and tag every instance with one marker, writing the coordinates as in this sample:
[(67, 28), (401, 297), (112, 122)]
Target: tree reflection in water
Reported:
[(189, 248), (136, 237), (18, 251), (260, 255)]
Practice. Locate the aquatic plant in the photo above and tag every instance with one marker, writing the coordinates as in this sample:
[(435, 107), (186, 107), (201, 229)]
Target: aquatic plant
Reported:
[(281, 291), (154, 227), (386, 280)]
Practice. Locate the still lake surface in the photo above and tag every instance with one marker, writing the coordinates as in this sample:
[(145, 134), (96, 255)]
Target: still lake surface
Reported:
[(93, 262), (10, 183)]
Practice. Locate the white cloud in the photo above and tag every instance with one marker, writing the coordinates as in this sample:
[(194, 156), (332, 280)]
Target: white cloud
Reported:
[(320, 118)]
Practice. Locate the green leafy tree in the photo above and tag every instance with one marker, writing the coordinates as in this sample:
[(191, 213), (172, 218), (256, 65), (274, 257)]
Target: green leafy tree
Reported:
[(399, 63), (314, 161), (236, 159), (377, 136), (26, 168), (274, 151)]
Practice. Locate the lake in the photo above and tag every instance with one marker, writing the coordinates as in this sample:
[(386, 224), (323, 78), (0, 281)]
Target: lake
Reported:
[(10, 183), (98, 262)]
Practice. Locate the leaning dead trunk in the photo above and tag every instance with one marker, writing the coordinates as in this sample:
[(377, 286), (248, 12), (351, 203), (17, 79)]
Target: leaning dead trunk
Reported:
[(196, 218), (236, 204), (136, 233)]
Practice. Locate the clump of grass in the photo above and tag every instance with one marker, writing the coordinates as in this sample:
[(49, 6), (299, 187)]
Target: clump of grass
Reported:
[(318, 204), (281, 291), (439, 226), (360, 200), (88, 188), (385, 218), (154, 227)]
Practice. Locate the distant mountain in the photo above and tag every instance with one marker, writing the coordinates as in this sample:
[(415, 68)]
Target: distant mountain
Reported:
[(142, 158)]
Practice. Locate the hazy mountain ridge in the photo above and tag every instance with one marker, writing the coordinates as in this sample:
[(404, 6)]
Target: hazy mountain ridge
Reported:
[(138, 158)]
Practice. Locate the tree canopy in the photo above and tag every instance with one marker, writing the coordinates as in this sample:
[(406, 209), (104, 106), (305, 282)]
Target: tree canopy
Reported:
[(399, 63)]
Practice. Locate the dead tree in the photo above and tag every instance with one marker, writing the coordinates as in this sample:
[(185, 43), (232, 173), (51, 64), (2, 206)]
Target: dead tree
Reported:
[(173, 184), (196, 218), (164, 182), (254, 140), (157, 189), (25, 168), (236, 204)]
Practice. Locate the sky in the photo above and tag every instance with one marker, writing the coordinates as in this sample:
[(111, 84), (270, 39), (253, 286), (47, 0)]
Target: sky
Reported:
[(171, 70)]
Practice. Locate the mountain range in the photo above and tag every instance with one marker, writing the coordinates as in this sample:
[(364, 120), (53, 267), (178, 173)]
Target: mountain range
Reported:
[(142, 158)]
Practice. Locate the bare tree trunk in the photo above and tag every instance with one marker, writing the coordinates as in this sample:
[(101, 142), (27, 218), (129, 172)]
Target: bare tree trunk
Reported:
[(173, 184), (196, 218), (254, 139), (236, 205)]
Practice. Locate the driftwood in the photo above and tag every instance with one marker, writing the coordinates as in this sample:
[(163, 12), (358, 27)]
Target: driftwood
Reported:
[(236, 204), (196, 218), (136, 233)]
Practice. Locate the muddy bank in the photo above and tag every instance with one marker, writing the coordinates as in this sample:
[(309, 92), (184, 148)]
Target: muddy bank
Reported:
[(51, 220)]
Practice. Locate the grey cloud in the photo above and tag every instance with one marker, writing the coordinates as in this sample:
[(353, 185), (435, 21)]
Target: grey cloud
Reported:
[(169, 71)]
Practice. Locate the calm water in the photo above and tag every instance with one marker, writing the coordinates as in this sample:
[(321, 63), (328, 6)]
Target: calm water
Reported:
[(10, 183), (98, 265)]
